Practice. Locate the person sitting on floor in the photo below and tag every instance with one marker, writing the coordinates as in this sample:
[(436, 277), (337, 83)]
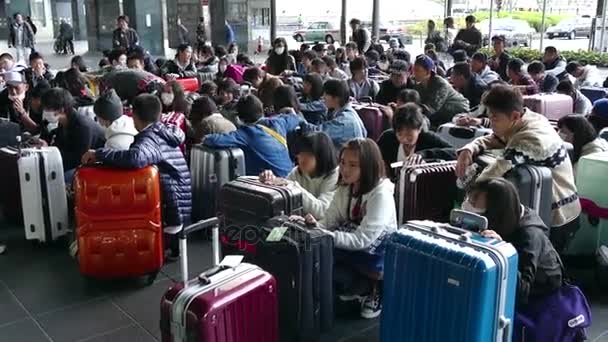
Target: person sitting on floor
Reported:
[(547, 83)]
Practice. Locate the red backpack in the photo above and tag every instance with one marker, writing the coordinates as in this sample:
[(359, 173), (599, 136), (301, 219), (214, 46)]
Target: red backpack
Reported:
[(235, 72)]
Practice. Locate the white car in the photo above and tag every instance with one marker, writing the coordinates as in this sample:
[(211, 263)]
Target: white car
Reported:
[(517, 32)]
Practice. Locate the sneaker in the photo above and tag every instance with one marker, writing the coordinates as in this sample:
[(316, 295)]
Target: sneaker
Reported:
[(74, 249), (350, 297), (371, 306)]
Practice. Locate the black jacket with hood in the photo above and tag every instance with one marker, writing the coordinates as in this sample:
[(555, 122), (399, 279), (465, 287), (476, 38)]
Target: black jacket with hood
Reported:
[(540, 272)]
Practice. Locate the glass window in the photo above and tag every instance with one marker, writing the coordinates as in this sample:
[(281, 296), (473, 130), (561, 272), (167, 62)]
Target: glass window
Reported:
[(38, 13)]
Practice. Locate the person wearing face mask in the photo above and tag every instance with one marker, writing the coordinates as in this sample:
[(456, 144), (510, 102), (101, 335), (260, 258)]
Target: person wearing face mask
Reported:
[(172, 97), (280, 60), (233, 52), (180, 67), (527, 138), (539, 271), (14, 105), (578, 131), (76, 133), (119, 129), (343, 123), (436, 93)]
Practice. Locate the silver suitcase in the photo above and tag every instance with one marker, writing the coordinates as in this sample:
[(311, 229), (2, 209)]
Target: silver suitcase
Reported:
[(211, 168), (43, 194)]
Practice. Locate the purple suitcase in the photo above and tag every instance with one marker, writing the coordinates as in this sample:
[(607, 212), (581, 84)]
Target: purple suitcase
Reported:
[(372, 119), (553, 106), (225, 304)]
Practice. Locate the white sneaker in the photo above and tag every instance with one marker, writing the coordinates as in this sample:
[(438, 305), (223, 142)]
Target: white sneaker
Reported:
[(371, 307), (74, 249), (350, 298)]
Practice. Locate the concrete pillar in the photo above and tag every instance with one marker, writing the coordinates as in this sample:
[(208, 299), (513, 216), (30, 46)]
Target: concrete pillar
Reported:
[(149, 18), (376, 19), (217, 14), (273, 20), (448, 8), (343, 37)]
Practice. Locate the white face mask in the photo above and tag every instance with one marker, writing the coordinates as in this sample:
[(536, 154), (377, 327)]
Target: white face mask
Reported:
[(563, 135), (279, 50), (17, 97), (167, 98), (50, 117), (467, 206), (52, 126), (223, 68), (383, 65)]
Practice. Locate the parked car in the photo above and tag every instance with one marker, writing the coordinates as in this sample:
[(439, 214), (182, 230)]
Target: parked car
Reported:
[(387, 30), (318, 31), (517, 32), (571, 28)]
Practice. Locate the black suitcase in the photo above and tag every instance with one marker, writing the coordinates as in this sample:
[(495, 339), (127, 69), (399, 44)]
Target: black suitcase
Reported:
[(9, 131), (10, 196), (246, 203), (302, 263)]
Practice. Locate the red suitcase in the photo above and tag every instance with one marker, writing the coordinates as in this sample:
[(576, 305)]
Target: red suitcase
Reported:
[(553, 106), (118, 222), (227, 304), (10, 196), (426, 192), (372, 119), (189, 84)]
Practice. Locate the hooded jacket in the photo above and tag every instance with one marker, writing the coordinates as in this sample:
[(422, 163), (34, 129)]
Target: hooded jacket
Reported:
[(589, 78), (28, 39), (84, 106), (442, 99), (532, 140), (379, 218), (539, 269), (557, 68), (489, 76), (120, 134), (158, 145)]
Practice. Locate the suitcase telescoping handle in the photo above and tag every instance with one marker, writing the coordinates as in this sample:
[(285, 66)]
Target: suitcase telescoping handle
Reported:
[(212, 223)]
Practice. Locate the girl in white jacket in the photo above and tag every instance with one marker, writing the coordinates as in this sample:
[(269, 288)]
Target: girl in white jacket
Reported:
[(119, 129), (316, 174), (361, 215)]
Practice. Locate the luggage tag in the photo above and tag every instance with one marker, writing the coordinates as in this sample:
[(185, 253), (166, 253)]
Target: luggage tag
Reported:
[(276, 234)]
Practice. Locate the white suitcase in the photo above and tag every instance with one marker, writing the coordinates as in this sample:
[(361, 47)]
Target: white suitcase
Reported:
[(459, 136), (43, 194)]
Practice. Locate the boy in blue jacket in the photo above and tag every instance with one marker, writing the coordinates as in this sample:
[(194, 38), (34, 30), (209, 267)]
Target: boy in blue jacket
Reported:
[(156, 144), (263, 140)]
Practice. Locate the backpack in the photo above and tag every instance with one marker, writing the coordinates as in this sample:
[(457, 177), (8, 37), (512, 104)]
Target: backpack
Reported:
[(235, 72)]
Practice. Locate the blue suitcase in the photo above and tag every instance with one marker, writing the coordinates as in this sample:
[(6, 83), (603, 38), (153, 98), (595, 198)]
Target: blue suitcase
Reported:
[(443, 283), (594, 93)]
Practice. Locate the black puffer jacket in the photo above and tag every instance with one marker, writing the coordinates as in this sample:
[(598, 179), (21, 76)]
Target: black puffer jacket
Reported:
[(540, 272), (159, 145)]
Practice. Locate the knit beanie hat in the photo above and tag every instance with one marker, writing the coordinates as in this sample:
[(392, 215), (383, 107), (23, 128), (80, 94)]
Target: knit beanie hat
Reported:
[(108, 106)]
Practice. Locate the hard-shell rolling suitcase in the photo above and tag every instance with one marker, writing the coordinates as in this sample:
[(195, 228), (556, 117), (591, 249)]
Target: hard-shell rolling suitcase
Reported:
[(459, 136), (43, 195), (594, 93), (189, 84), (443, 283), (534, 185), (212, 168), (591, 178), (10, 196), (372, 119), (426, 191), (228, 304), (301, 260), (118, 222), (553, 106), (9, 131)]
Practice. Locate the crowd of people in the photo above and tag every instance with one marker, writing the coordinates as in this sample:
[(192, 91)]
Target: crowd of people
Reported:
[(294, 118)]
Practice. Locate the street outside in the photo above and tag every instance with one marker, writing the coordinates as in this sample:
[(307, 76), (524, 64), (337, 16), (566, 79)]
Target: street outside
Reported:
[(59, 62)]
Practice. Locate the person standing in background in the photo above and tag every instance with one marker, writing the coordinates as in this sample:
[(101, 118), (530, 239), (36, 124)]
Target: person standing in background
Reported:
[(21, 37), (230, 37), (201, 35), (360, 36), (182, 33), (124, 36), (450, 30), (66, 35)]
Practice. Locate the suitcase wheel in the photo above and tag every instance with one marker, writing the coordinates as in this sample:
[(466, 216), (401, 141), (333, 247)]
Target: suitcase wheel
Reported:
[(151, 278)]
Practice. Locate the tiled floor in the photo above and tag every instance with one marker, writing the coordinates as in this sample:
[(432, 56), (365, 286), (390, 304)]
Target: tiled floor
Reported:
[(44, 298)]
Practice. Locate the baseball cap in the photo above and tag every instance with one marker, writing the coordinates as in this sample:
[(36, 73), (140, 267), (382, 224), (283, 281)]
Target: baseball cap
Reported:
[(399, 66), (425, 62), (14, 78), (600, 108)]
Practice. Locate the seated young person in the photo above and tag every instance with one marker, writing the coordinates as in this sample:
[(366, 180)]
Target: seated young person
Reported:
[(227, 98), (410, 140), (206, 119), (361, 215), (539, 270), (182, 66), (316, 173), (400, 79), (586, 76), (519, 79), (333, 70), (76, 133), (311, 103), (14, 105), (286, 101), (479, 65), (119, 129), (156, 144), (578, 131), (263, 140), (547, 83), (527, 138), (343, 123), (436, 93), (468, 83), (360, 84), (580, 102)]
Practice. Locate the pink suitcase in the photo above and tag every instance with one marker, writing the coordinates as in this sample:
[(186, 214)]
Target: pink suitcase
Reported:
[(238, 304), (553, 106)]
